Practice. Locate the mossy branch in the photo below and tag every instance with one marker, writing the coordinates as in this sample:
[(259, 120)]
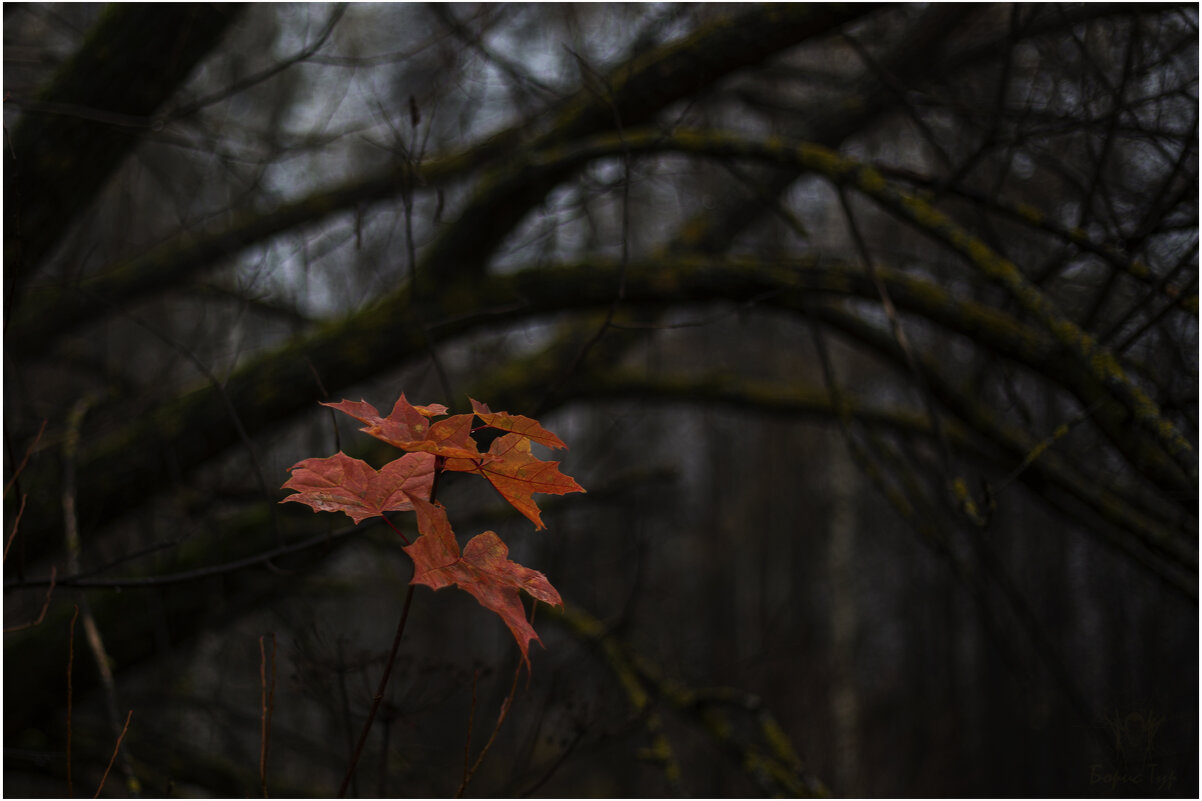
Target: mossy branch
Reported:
[(773, 763), (1097, 360), (122, 468)]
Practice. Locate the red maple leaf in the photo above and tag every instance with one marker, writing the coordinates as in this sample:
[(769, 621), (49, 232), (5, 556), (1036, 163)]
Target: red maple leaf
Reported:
[(408, 427), (352, 486), (517, 424), (517, 474), (483, 569)]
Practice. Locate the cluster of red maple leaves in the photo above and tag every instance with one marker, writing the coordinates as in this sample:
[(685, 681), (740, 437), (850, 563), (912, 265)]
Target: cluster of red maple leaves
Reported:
[(340, 483)]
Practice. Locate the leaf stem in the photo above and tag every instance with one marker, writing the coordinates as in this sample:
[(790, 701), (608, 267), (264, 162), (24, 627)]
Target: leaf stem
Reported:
[(400, 533)]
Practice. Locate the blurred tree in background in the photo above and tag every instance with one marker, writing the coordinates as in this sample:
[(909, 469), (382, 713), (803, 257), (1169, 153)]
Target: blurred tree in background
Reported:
[(873, 332)]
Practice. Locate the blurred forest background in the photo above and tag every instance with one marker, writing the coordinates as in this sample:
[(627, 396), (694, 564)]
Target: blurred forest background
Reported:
[(872, 330)]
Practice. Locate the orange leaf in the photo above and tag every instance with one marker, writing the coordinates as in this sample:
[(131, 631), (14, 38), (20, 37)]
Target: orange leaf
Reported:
[(408, 427), (450, 437), (517, 474), (516, 423), (483, 569), (352, 486)]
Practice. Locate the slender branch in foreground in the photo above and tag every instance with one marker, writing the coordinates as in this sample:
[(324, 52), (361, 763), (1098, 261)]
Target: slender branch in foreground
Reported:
[(379, 696), (16, 522), (267, 697), (70, 669), (25, 459), (45, 605), (91, 630), (113, 758), (505, 706)]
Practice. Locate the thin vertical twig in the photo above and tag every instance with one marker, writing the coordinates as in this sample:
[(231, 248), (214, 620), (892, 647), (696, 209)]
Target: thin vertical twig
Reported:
[(396, 645), (379, 696), (113, 758), (387, 739), (45, 605), (346, 711), (604, 92), (471, 722), (91, 630), (267, 697), (412, 155), (505, 706), (16, 522), (70, 667), (16, 474), (953, 483), (218, 385), (25, 459)]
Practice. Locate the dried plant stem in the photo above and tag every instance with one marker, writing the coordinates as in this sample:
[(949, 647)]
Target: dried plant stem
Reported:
[(20, 511), (379, 696), (96, 645), (25, 459), (116, 750), (91, 630), (505, 706), (471, 722), (16, 522), (70, 668), (346, 712), (903, 341), (267, 702), (45, 604)]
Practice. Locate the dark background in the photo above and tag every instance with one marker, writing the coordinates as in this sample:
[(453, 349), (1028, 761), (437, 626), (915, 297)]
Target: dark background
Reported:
[(890, 455)]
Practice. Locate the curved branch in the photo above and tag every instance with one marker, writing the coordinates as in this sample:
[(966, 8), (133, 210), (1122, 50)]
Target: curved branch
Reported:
[(132, 61), (1031, 216), (776, 768), (1096, 360), (1149, 538), (122, 469), (655, 80)]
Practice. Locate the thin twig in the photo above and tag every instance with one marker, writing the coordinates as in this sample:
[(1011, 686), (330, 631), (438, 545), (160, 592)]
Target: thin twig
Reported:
[(45, 606), (383, 791), (261, 76), (88, 578), (113, 758), (467, 776), (413, 156), (471, 722), (70, 667), (25, 459), (267, 697), (1042, 446), (218, 387), (16, 522), (379, 696), (346, 711), (71, 530), (954, 483), (620, 295), (554, 766), (16, 473)]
